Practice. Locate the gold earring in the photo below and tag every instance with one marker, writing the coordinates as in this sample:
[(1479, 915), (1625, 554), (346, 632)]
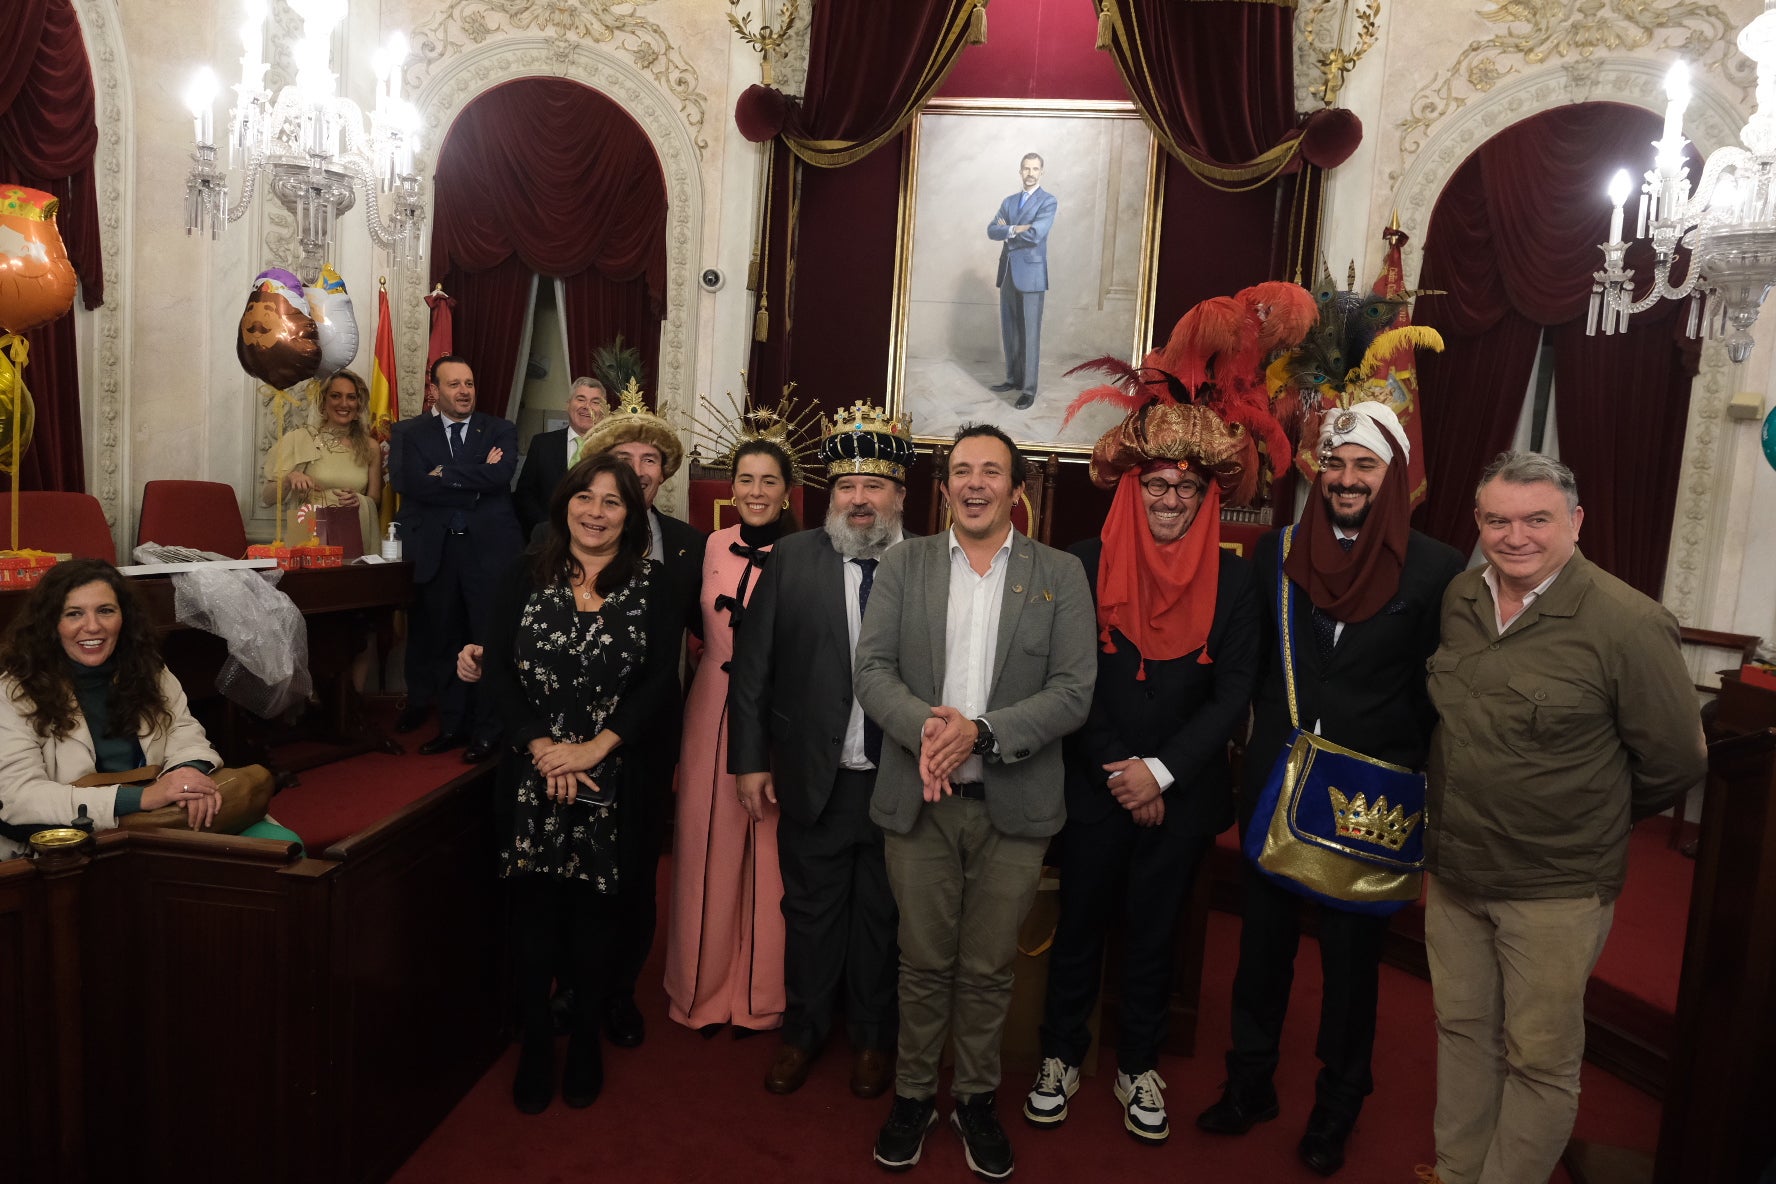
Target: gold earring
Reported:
[(786, 503)]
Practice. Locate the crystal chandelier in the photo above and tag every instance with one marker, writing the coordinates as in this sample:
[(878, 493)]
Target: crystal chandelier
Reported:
[(1728, 222), (310, 144)]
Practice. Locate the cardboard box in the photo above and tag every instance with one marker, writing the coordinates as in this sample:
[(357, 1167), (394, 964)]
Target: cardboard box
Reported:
[(314, 555), (283, 553)]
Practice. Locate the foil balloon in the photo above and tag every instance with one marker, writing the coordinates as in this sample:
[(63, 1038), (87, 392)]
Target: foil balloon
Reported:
[(36, 278), (17, 414), (331, 308), (1770, 438), (279, 343)]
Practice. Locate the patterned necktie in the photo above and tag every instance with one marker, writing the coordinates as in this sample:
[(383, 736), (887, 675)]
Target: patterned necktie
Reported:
[(872, 734), (456, 440), (1325, 626)]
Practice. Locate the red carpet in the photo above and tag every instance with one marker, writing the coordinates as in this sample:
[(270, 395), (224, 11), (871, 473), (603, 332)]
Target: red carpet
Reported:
[(682, 1109)]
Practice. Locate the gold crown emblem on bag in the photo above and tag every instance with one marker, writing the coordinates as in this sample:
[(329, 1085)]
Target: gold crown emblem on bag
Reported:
[(1356, 819)]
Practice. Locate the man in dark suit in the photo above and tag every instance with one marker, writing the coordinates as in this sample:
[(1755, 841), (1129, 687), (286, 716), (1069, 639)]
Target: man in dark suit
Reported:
[(551, 453), (453, 471), (1147, 777), (1021, 227), (976, 659), (798, 738), (1376, 593)]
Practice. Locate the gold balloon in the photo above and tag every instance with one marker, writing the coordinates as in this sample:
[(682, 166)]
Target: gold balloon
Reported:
[(17, 412)]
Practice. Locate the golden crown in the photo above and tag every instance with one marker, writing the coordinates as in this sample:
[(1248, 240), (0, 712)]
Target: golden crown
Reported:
[(793, 428), (1356, 819), (861, 417), (861, 439)]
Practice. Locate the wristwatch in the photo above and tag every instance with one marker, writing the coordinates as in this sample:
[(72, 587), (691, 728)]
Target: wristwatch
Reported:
[(984, 741)]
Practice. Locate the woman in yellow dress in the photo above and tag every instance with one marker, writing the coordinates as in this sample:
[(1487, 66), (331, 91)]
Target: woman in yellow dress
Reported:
[(334, 463)]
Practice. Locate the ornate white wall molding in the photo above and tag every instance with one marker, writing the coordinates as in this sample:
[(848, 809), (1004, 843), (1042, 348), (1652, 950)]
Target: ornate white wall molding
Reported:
[(1694, 562), (455, 81), (104, 340)]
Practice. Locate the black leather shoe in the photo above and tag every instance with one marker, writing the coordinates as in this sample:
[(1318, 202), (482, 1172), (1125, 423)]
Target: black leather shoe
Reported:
[(1236, 1112), (623, 1023), (534, 1087), (442, 742), (1322, 1147), (999, 388), (478, 751), (410, 719), (583, 1079), (1024, 400)]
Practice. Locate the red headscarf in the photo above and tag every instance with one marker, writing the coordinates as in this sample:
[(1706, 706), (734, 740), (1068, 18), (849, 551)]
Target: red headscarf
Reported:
[(1160, 597), (1354, 585)]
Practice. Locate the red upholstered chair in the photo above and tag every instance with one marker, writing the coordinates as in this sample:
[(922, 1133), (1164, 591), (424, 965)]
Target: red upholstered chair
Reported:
[(200, 514), (65, 523)]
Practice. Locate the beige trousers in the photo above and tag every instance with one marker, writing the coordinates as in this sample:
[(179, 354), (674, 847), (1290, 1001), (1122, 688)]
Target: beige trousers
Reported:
[(1508, 981), (963, 889)]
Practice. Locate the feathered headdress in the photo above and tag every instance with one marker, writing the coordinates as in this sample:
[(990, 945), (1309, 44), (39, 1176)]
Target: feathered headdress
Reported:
[(1200, 398)]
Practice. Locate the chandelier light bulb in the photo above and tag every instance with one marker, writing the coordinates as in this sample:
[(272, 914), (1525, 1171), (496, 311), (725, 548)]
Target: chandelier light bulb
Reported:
[(1677, 81), (1620, 186), (200, 94), (253, 26)]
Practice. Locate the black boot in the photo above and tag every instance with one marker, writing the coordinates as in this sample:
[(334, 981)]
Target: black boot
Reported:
[(583, 1079), (534, 1087)]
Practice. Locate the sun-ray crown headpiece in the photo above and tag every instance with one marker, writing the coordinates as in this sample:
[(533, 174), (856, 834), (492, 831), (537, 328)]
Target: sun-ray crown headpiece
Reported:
[(790, 426)]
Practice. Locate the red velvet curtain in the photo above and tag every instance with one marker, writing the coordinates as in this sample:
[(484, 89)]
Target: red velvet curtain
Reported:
[(1215, 79), (1513, 241), (549, 177), (48, 135)]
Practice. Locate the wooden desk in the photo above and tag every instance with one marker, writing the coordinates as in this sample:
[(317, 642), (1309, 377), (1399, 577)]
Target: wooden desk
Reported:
[(343, 607)]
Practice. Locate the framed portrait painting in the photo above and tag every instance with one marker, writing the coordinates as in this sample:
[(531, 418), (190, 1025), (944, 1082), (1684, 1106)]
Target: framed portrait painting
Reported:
[(1028, 235)]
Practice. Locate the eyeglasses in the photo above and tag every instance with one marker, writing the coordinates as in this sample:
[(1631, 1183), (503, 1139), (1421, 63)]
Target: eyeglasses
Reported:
[(1158, 487)]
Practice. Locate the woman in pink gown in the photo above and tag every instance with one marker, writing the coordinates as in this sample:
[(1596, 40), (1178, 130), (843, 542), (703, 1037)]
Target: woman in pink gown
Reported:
[(724, 949)]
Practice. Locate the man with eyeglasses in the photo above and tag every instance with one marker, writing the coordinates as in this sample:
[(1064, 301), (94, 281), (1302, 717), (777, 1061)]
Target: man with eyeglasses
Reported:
[(1147, 784)]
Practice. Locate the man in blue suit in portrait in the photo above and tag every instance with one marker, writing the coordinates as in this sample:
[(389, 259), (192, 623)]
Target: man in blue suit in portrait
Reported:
[(1021, 227)]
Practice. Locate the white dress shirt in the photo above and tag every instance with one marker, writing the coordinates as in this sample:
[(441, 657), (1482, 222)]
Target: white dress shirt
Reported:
[(851, 752), (1490, 575), (971, 638)]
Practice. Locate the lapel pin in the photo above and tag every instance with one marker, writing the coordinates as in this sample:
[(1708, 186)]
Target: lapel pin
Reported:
[(1047, 595), (1018, 588)]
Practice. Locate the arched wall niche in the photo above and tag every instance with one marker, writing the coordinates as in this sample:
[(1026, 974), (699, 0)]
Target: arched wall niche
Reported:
[(1712, 120), (456, 81)]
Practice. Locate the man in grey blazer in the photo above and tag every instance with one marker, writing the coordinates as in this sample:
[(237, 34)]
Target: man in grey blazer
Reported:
[(977, 657)]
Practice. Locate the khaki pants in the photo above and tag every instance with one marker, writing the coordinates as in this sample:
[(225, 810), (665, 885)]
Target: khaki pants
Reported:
[(1508, 980), (963, 889)]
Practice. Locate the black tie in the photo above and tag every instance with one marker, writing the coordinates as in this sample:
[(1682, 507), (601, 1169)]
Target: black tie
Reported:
[(456, 440), (872, 734), (1325, 626)]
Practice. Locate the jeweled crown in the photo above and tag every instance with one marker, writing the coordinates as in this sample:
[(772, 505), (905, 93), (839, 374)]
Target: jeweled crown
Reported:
[(867, 440), (1377, 824)]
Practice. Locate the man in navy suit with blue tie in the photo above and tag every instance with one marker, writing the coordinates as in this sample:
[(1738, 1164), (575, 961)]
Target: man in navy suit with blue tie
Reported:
[(1021, 228), (453, 471)]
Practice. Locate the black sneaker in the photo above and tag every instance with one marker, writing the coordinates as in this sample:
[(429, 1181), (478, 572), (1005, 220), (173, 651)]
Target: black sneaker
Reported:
[(983, 1140), (903, 1135)]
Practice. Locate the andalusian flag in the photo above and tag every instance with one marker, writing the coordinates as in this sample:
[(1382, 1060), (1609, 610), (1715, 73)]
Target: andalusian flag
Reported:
[(385, 403)]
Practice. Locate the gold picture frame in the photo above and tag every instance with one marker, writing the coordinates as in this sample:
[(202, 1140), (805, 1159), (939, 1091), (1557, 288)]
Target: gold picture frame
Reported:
[(950, 339)]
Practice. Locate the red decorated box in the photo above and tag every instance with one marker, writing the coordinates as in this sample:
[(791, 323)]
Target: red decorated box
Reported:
[(22, 569), (281, 552), (313, 555)]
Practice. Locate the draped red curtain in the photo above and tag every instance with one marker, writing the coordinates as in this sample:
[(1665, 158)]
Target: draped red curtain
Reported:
[(48, 134), (544, 176), (1513, 241)]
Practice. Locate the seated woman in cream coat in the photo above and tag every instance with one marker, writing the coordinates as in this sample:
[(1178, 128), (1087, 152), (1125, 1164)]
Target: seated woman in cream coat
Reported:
[(82, 691), (334, 463)]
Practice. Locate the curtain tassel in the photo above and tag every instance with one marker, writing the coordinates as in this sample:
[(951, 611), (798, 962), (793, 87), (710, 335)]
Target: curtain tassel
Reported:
[(761, 322), (1106, 23), (977, 25)]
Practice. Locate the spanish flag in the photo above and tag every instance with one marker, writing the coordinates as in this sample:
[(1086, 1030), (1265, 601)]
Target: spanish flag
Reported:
[(385, 403)]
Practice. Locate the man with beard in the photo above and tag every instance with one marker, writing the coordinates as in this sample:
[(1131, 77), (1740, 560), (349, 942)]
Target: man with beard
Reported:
[(1147, 778), (798, 739), (1376, 590)]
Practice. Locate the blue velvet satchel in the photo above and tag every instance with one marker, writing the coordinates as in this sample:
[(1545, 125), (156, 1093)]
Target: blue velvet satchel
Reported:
[(1331, 823)]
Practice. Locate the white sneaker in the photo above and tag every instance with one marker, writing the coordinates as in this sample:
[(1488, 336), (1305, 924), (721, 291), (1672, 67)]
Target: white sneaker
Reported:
[(1143, 1106), (1056, 1081)]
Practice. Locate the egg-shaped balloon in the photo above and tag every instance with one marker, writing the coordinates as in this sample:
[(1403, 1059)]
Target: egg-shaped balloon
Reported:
[(17, 413), (331, 308), (279, 343), (36, 277)]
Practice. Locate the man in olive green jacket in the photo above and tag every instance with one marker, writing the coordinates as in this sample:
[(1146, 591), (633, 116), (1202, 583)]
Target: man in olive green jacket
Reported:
[(1566, 713)]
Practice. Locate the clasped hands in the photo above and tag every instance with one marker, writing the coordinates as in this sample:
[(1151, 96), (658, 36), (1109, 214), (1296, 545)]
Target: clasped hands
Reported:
[(1133, 786), (188, 787), (565, 767), (946, 739)]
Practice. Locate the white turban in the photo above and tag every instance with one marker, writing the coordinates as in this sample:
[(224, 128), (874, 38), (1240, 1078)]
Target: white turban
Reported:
[(1362, 423)]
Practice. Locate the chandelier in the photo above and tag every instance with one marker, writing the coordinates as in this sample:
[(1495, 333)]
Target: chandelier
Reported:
[(1728, 222), (310, 146)]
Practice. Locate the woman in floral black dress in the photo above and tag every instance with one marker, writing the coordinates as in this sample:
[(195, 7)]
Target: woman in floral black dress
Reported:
[(569, 662)]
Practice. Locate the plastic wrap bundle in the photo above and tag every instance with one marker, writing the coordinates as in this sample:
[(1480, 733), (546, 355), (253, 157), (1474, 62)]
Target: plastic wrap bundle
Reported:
[(267, 667)]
